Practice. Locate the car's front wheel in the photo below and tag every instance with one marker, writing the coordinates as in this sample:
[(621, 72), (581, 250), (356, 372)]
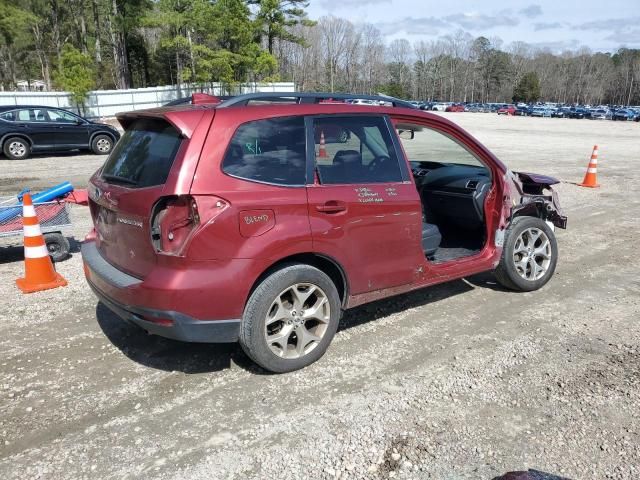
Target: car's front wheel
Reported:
[(16, 148), (290, 318), (529, 255), (102, 144)]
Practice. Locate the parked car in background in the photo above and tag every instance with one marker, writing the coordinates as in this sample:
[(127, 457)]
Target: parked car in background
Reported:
[(439, 107), (456, 107), (523, 111), (623, 114), (26, 129), (540, 112), (578, 112), (560, 112), (598, 114), (232, 225), (507, 110)]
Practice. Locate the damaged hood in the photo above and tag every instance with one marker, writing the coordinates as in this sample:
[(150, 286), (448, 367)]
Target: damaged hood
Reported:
[(536, 179)]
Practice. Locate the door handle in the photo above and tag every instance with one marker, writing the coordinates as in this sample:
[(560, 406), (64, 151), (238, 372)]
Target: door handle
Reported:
[(332, 206)]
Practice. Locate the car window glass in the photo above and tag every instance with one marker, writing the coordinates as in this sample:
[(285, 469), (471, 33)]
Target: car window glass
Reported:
[(61, 116), (270, 151), (430, 145), (355, 149), (8, 116), (144, 155), (19, 115), (39, 115)]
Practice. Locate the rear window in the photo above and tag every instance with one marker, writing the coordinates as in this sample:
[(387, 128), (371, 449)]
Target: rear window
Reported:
[(144, 155), (269, 151)]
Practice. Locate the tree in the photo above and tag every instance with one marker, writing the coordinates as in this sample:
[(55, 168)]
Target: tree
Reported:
[(276, 18), (76, 74), (14, 39), (527, 89)]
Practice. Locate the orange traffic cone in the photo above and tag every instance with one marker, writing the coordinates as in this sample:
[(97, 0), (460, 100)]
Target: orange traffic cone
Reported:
[(39, 272), (590, 177), (322, 151)]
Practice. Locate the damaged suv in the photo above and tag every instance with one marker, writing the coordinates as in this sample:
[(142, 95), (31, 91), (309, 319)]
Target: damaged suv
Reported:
[(261, 218)]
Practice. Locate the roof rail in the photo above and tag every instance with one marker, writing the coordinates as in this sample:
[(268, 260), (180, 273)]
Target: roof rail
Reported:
[(309, 98)]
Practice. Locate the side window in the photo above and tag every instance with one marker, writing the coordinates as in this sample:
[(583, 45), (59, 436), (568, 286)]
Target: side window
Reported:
[(8, 116), (354, 149), (428, 145), (38, 115), (270, 151), (60, 116), (18, 116)]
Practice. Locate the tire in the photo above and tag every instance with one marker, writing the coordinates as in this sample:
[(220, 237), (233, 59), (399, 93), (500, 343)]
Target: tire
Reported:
[(273, 298), (16, 148), (57, 245), (102, 144), (519, 260)]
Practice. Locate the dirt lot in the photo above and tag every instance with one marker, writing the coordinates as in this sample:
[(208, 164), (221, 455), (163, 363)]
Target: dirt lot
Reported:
[(463, 380)]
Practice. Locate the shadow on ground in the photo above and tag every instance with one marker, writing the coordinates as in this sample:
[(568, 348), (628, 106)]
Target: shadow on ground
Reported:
[(15, 253), (170, 355), (165, 354)]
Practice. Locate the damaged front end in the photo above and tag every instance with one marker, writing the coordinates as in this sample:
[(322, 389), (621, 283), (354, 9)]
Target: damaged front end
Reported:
[(532, 196)]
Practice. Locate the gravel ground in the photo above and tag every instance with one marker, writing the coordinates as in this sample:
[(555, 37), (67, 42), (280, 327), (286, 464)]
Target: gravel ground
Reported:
[(459, 381)]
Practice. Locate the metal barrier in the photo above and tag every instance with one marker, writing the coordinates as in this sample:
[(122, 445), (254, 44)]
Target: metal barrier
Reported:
[(106, 103), (53, 216)]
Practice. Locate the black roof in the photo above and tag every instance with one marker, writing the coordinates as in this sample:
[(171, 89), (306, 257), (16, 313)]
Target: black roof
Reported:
[(4, 108), (311, 97)]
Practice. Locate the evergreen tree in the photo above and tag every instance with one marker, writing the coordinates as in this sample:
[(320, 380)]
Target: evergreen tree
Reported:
[(527, 89)]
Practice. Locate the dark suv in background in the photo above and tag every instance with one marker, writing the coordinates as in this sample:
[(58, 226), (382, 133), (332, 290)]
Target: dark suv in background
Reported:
[(231, 222), (28, 128)]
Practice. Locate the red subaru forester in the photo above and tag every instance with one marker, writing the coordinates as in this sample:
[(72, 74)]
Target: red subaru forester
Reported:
[(261, 218)]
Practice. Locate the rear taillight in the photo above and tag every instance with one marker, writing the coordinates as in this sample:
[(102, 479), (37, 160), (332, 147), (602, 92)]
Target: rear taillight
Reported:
[(176, 219)]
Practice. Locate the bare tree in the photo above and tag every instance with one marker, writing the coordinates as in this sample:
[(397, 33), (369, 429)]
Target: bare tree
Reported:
[(334, 35)]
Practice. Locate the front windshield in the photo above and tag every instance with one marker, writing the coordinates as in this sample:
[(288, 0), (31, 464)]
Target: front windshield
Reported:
[(430, 145)]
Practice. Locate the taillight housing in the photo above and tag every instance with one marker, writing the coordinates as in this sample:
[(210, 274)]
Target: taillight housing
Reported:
[(176, 219)]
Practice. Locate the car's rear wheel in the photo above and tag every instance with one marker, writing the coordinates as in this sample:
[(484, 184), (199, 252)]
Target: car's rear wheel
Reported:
[(16, 148), (290, 318), (529, 255), (102, 144)]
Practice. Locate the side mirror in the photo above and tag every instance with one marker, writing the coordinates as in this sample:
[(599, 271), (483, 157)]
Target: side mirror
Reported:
[(407, 134)]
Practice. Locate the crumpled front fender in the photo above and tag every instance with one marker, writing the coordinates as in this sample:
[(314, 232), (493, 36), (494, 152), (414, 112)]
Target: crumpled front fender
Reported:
[(532, 195)]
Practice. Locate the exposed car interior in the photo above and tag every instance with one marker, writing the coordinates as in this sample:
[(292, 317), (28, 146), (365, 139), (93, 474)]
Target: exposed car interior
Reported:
[(453, 185)]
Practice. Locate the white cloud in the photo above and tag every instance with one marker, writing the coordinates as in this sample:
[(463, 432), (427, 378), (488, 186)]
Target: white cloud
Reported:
[(531, 11)]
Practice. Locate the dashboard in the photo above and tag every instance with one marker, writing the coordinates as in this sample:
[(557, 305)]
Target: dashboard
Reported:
[(452, 193)]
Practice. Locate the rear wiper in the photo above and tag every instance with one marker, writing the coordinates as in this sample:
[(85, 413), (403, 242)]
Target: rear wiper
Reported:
[(116, 178)]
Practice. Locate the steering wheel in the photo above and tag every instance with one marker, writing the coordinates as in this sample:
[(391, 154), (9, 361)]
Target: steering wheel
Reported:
[(377, 161)]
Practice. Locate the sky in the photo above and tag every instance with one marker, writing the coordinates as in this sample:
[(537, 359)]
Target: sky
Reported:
[(558, 25)]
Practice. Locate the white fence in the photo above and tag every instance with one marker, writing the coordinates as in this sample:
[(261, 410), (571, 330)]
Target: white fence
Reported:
[(106, 103)]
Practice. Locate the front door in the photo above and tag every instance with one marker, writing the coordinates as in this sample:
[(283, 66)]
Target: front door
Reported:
[(364, 211), (72, 131)]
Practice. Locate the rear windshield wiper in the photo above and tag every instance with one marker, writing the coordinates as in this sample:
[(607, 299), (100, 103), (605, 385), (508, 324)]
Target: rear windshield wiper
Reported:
[(117, 179)]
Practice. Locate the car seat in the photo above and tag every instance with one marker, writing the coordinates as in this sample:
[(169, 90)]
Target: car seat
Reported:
[(431, 238)]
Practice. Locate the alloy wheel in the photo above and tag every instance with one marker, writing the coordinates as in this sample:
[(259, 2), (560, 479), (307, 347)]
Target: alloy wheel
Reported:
[(17, 149), (297, 320), (532, 254)]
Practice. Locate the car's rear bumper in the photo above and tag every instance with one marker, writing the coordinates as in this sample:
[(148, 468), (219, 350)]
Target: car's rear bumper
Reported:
[(165, 323)]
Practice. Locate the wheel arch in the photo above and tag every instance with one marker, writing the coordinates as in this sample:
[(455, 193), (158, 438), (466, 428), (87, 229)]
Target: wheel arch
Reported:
[(324, 263), (101, 132), (12, 135)]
